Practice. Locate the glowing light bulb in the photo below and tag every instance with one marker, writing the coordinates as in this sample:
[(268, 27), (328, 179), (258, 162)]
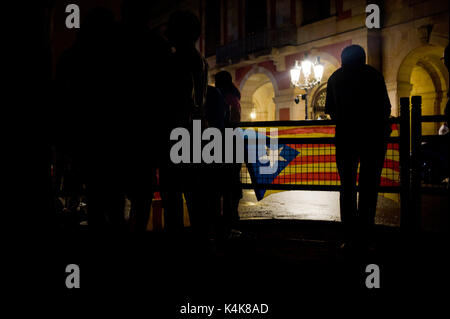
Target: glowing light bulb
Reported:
[(306, 67), (295, 73), (318, 72)]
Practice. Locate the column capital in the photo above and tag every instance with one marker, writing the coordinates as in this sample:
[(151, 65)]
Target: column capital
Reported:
[(278, 60), (285, 99), (404, 88)]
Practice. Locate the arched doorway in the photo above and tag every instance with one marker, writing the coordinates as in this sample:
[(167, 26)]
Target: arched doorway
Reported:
[(318, 104), (423, 73), (264, 107), (258, 92)]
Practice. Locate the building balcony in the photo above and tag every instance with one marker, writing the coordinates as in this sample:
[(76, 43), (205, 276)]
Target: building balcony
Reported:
[(256, 44)]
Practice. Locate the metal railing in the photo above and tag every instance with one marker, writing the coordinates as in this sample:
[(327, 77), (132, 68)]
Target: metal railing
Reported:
[(310, 148), (417, 183)]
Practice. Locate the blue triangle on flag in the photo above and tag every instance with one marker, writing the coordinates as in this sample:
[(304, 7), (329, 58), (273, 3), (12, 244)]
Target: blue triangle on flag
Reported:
[(270, 162)]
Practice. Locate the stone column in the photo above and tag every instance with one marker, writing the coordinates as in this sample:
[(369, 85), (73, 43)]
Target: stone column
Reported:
[(392, 92), (246, 109), (403, 90), (285, 100), (374, 48)]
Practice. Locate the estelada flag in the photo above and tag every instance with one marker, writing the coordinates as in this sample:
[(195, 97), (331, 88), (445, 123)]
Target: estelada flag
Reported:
[(308, 164)]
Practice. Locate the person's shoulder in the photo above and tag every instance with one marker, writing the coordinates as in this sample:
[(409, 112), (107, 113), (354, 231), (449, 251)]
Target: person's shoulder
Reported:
[(336, 74), (369, 68), (213, 90), (372, 71)]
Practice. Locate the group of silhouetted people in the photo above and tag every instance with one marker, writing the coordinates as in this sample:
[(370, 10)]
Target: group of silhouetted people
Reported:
[(122, 89)]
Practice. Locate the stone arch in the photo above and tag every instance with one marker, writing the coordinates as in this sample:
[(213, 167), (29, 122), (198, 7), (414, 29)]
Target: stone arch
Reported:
[(440, 83), (328, 58), (423, 73), (416, 45), (431, 54), (260, 70), (258, 90), (318, 94)]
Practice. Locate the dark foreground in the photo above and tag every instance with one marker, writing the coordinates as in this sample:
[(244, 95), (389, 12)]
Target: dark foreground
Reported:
[(291, 266)]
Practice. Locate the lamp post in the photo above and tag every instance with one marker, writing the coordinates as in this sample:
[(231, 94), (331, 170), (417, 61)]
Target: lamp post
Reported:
[(312, 75)]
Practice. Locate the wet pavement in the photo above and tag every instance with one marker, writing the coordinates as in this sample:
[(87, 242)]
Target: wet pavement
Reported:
[(312, 205)]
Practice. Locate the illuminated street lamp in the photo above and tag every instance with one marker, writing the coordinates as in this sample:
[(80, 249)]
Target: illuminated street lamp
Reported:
[(312, 75)]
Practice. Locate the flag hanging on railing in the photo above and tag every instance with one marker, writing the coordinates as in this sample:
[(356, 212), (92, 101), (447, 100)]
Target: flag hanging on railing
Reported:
[(307, 163)]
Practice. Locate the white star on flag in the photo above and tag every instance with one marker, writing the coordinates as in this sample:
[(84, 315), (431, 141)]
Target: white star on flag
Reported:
[(273, 156)]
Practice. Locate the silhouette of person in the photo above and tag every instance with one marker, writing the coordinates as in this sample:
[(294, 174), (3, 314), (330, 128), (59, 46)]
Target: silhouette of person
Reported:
[(233, 193), (93, 118), (217, 113), (183, 31), (353, 92), (142, 86)]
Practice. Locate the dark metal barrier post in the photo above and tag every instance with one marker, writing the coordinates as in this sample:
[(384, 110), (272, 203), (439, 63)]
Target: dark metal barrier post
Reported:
[(416, 138), (405, 165)]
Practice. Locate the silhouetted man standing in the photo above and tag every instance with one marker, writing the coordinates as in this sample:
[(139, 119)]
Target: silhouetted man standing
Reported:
[(142, 86), (357, 91), (232, 180), (93, 118), (185, 105)]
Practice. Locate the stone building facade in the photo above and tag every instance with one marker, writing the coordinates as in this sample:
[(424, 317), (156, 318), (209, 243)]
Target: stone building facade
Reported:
[(258, 41)]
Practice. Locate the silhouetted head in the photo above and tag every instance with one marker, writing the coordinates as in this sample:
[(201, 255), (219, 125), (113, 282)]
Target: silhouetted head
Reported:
[(353, 55), (136, 11), (183, 29), (224, 81)]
